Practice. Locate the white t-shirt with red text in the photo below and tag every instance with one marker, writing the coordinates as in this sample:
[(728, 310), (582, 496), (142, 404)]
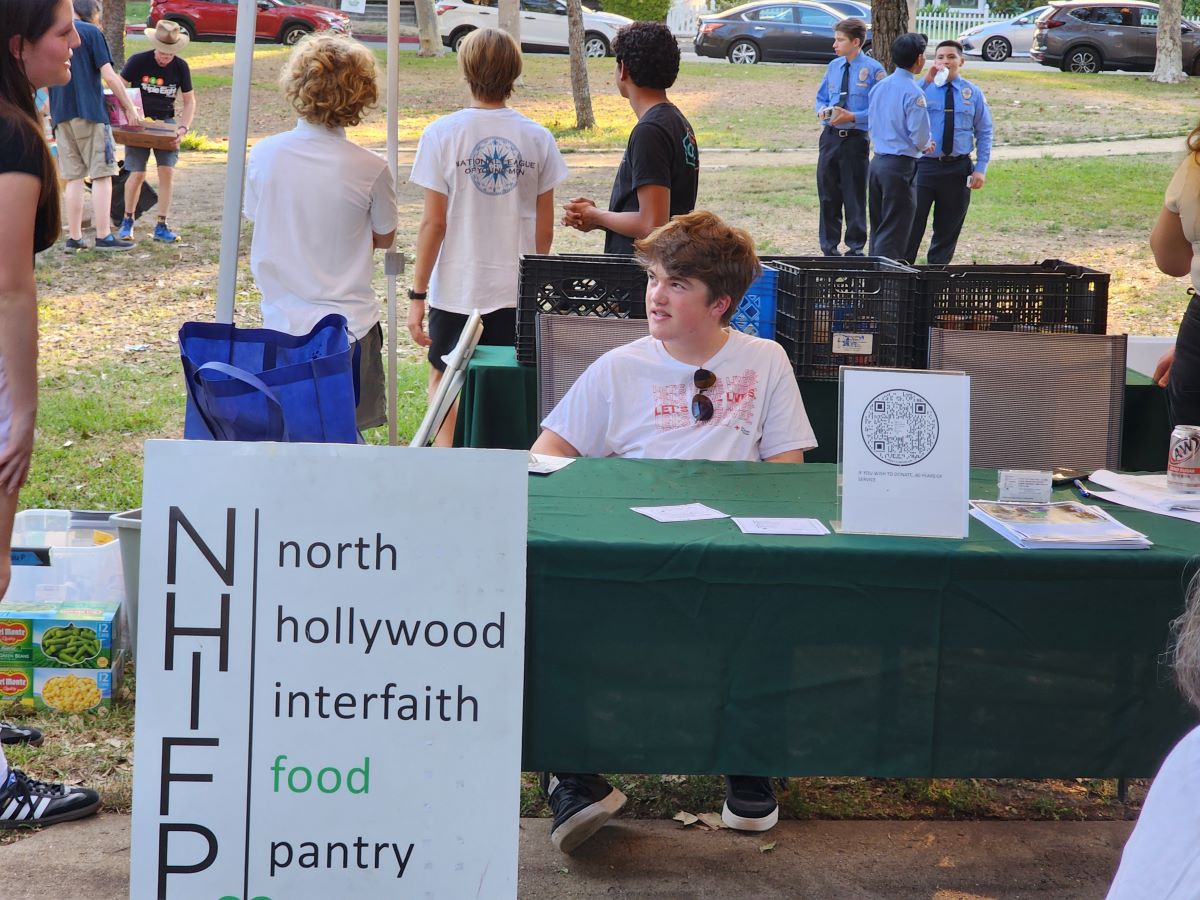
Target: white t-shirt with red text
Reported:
[(635, 401)]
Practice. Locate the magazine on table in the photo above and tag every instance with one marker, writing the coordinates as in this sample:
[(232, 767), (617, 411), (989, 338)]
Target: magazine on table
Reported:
[(1058, 526)]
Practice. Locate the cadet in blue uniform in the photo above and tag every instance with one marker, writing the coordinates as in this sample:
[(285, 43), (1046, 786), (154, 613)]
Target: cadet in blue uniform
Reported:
[(900, 133), (845, 150), (959, 121)]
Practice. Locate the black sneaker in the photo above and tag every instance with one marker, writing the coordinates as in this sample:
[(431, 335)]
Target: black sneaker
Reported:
[(18, 734), (749, 803), (73, 246), (25, 802), (112, 242), (581, 805)]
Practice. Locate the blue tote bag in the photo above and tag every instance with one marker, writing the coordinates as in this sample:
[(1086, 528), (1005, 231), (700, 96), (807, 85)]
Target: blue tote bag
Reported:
[(254, 384)]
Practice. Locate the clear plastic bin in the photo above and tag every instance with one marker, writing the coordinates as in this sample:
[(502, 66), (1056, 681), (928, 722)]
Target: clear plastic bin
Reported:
[(85, 557)]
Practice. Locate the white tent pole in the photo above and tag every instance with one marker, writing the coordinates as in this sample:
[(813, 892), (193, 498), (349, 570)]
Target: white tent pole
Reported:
[(235, 171), (393, 261)]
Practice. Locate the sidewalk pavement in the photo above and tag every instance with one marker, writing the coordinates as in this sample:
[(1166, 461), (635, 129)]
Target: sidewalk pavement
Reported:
[(89, 860)]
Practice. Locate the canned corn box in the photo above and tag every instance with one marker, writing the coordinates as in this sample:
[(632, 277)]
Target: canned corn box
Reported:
[(64, 690), (63, 634)]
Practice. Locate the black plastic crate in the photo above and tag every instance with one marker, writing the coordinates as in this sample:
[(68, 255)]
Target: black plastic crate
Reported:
[(597, 285), (844, 311), (1047, 297)]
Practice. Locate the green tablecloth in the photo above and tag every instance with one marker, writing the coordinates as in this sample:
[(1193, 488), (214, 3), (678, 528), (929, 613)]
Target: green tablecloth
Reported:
[(498, 409), (692, 648)]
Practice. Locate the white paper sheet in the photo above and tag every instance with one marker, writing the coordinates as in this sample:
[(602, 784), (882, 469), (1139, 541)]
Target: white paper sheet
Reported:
[(1150, 489), (780, 526), (1190, 515), (687, 512), (544, 464)]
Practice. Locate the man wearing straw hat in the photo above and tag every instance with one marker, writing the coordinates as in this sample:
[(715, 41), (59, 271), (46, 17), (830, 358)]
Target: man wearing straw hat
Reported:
[(161, 75)]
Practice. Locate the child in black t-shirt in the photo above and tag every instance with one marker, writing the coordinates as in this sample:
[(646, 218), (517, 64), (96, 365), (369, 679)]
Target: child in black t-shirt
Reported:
[(660, 172), (161, 76)]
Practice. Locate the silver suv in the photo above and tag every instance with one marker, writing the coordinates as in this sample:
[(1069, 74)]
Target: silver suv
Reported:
[(1092, 36)]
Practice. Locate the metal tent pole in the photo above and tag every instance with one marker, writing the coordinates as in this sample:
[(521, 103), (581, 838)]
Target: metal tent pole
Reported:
[(235, 172), (393, 263)]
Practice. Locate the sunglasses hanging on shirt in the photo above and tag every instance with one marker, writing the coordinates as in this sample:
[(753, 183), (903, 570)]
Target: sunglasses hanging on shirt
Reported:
[(702, 407)]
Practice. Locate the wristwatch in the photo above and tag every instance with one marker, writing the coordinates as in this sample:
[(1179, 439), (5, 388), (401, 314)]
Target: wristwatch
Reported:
[(417, 295)]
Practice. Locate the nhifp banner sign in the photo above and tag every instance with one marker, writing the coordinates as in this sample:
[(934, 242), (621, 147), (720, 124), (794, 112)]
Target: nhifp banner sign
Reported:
[(330, 664)]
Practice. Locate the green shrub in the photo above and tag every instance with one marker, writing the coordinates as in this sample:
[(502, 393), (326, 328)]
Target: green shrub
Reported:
[(639, 10)]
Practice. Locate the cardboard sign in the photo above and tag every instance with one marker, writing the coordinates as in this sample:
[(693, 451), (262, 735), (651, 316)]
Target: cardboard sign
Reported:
[(904, 449), (330, 679)]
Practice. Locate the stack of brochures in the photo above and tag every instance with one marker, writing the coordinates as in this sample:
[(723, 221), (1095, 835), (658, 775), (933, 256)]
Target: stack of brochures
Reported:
[(1058, 526)]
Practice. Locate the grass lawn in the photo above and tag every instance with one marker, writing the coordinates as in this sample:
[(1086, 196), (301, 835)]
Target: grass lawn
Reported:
[(765, 106), (110, 372)]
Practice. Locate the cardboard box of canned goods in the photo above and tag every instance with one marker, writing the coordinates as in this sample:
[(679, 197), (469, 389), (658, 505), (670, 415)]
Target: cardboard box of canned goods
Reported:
[(61, 634), (65, 690)]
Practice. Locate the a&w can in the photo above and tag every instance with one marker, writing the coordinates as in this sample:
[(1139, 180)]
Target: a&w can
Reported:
[(1183, 460)]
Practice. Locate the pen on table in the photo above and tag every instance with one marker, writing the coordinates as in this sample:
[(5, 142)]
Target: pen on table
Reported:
[(1083, 492)]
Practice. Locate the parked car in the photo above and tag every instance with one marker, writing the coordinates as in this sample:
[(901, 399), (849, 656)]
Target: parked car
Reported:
[(285, 21), (1092, 37), (543, 25), (850, 8), (997, 41), (791, 31)]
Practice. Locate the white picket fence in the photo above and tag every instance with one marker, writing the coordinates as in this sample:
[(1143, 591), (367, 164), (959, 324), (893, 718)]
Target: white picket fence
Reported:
[(684, 17), (949, 24)]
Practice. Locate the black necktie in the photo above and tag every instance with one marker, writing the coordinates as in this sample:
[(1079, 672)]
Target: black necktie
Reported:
[(844, 96), (948, 122)]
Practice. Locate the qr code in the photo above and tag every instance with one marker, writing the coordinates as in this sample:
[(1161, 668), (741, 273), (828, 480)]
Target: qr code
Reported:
[(900, 427)]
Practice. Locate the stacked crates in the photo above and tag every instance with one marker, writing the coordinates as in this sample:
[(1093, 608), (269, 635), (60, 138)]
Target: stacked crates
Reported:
[(844, 311), (576, 284), (612, 286), (1049, 297)]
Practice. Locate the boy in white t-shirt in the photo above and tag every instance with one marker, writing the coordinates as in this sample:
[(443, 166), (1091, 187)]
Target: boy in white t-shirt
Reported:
[(692, 389), (489, 175)]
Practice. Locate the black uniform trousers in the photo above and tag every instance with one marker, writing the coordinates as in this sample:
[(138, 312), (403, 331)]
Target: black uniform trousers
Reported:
[(941, 184), (1183, 390), (842, 182), (893, 202)]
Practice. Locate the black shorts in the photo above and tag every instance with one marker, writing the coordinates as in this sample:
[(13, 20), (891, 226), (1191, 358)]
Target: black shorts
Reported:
[(499, 330)]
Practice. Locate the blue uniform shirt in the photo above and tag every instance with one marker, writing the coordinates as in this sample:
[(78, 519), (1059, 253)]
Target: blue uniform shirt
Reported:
[(865, 73), (899, 122), (972, 120), (83, 96)]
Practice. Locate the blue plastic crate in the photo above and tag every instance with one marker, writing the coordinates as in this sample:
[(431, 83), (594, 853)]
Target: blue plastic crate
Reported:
[(756, 313)]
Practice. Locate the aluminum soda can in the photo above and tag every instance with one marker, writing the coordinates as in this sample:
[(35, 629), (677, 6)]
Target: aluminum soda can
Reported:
[(1183, 459)]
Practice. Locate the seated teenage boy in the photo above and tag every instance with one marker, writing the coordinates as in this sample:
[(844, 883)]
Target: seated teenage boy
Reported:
[(692, 389)]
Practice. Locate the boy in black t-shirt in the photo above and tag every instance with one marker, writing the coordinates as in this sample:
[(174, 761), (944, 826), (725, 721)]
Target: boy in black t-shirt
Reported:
[(660, 171), (161, 76)]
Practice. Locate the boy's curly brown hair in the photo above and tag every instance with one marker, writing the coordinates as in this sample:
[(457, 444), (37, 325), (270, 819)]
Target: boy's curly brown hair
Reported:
[(330, 80)]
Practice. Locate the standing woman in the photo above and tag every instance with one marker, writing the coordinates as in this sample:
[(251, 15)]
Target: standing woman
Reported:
[(36, 37), (489, 175), (1175, 241)]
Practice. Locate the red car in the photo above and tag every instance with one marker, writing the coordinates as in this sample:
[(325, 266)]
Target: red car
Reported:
[(285, 21)]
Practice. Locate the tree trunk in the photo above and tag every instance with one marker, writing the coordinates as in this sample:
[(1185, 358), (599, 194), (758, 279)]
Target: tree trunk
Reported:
[(889, 20), (427, 30), (580, 89), (1168, 62), (509, 15), (112, 23)]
